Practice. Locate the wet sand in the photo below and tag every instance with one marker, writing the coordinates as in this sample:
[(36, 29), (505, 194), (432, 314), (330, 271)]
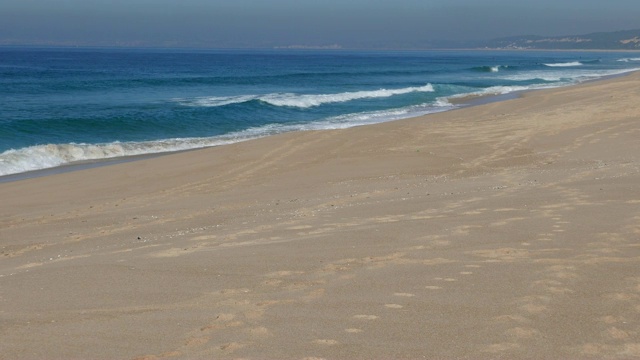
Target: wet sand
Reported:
[(504, 230)]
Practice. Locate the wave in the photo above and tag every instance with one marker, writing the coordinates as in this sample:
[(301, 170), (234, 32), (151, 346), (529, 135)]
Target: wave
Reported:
[(490, 69), (566, 79), (40, 157), (52, 155), (628, 59), (566, 64), (301, 100)]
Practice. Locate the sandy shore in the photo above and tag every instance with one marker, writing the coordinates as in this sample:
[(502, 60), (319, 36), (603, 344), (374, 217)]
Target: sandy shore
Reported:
[(506, 230)]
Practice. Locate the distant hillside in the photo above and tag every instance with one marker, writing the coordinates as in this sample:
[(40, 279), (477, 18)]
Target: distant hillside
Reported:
[(618, 40)]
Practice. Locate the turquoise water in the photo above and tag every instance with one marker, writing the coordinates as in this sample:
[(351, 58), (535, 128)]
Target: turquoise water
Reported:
[(60, 106)]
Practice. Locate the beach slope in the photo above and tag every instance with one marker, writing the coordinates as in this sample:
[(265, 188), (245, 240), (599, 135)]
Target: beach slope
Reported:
[(505, 230)]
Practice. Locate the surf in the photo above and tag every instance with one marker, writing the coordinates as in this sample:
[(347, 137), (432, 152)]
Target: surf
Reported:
[(301, 100), (565, 64)]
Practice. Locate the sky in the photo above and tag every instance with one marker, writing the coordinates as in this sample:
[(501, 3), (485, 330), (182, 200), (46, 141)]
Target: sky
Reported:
[(269, 23)]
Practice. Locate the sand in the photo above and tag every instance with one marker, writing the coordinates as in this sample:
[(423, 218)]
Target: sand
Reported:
[(505, 230)]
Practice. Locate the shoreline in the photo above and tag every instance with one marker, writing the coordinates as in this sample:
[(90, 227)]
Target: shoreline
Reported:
[(503, 230), (460, 102)]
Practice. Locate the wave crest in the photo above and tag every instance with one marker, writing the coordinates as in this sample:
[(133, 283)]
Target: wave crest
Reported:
[(51, 155), (565, 64), (628, 59), (302, 100), (491, 69)]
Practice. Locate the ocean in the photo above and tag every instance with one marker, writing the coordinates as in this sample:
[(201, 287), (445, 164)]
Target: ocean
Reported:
[(64, 106)]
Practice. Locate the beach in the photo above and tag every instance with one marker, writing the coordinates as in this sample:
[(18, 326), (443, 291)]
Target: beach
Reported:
[(504, 230)]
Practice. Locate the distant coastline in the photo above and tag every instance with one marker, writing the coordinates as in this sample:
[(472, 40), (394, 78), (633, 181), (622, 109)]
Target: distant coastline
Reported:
[(626, 40)]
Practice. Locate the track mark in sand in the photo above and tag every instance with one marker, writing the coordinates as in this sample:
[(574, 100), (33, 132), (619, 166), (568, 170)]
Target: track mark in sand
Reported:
[(169, 354), (502, 254), (394, 306), (523, 332), (329, 342), (273, 282), (365, 317), (259, 331), (502, 347), (17, 250), (222, 321), (353, 330), (404, 294), (231, 347), (513, 318), (534, 304), (552, 286), (562, 271), (196, 341), (284, 273), (610, 319), (299, 227), (626, 350), (613, 333)]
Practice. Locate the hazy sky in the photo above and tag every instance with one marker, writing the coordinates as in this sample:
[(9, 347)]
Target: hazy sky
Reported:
[(258, 23)]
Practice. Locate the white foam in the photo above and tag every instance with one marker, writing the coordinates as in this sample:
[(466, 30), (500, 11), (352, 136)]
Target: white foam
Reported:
[(628, 59), (567, 76), (52, 155), (535, 75), (302, 100), (215, 101), (566, 64)]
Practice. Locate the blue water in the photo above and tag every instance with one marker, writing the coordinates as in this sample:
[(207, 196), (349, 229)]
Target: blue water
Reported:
[(60, 106)]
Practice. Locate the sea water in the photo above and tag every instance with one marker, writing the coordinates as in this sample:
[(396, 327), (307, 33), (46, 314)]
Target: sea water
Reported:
[(60, 106)]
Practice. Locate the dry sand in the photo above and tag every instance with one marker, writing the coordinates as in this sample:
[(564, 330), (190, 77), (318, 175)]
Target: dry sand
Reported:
[(506, 230)]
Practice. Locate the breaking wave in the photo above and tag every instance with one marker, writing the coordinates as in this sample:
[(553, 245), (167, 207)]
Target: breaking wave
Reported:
[(628, 59), (301, 100), (489, 69), (566, 64), (51, 155)]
